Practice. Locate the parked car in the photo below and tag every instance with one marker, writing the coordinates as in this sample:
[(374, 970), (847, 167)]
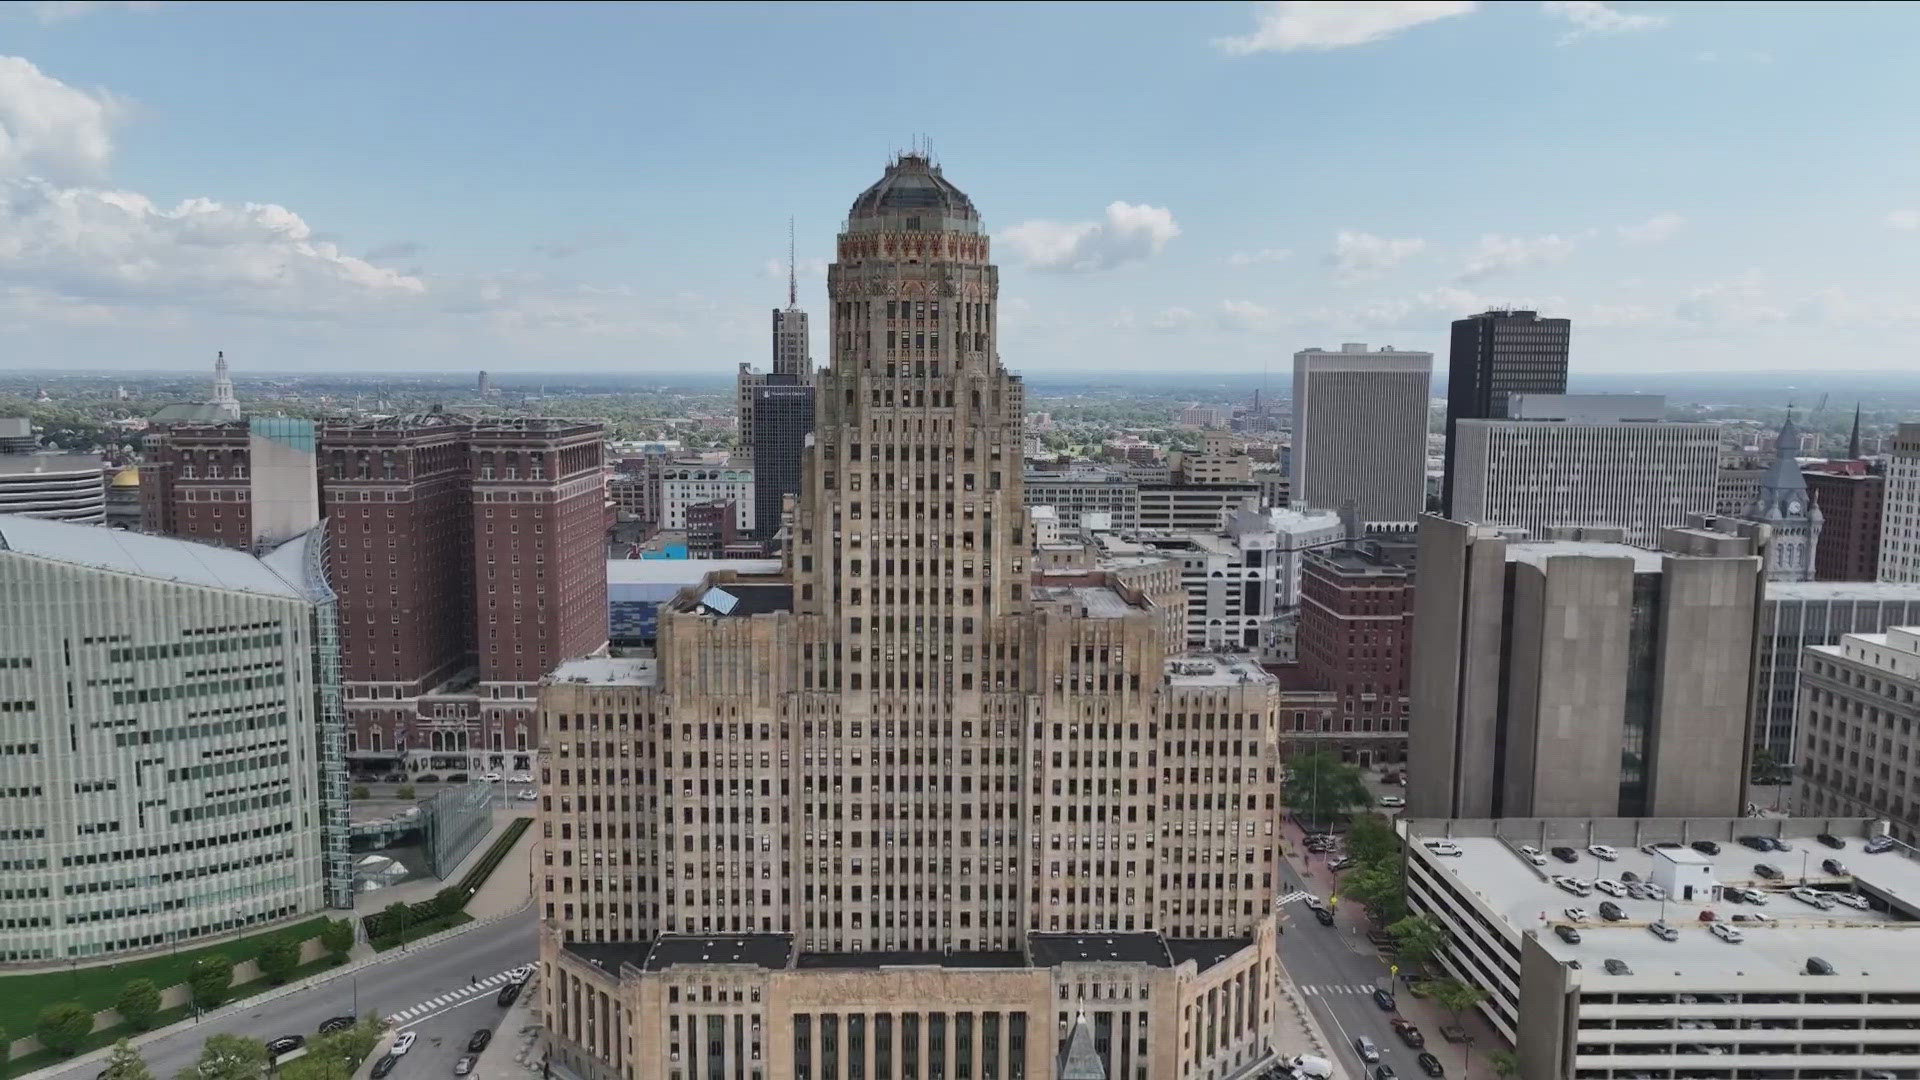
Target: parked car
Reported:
[(1364, 1046), (1566, 855), (1852, 900), (1573, 885), (1384, 999), (526, 793), (1443, 847), (1409, 1033), (1629, 876), (1756, 917), (395, 778), (1654, 890), (1878, 844), (479, 1040), (1393, 800), (1726, 933), (1813, 897), (1834, 867), (1617, 967), (1342, 863), (1602, 852), (1706, 847), (384, 1066), (1611, 912), (491, 777), (1778, 844), (1662, 931), (1817, 966), (1385, 1072), (285, 1044), (1431, 1065), (1575, 914), (1610, 887), (1323, 916), (1753, 896), (463, 1066), (1567, 934), (1768, 871), (1831, 841), (403, 1044), (521, 778), (1757, 843), (337, 1023), (427, 778), (457, 778)]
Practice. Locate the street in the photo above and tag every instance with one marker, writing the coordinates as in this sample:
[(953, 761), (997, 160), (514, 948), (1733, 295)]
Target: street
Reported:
[(437, 977), (1335, 970)]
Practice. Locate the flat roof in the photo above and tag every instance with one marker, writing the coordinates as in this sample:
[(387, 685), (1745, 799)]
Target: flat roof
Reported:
[(1205, 952), (1092, 601), (1537, 552), (773, 951), (1205, 669), (1050, 950), (162, 558), (1854, 941), (681, 571), (1840, 590), (884, 959), (607, 671), (39, 464)]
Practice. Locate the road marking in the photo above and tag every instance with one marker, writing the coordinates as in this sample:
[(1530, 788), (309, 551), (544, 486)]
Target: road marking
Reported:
[(1298, 894), (464, 995)]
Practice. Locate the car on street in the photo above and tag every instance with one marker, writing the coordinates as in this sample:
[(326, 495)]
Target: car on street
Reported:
[(337, 1023), (1575, 914), (1409, 1032), (463, 1066), (457, 778), (1392, 801), (427, 778), (1342, 863), (1726, 933), (1385, 1072), (1383, 998), (1430, 1064), (1323, 916), (1617, 967), (1878, 844), (285, 1044), (508, 994), (1567, 934), (1852, 900), (1566, 854), (490, 778), (1602, 852), (1706, 847), (521, 778), (526, 793), (1610, 887), (383, 1066), (403, 1044), (1611, 912), (1662, 931), (1831, 841), (394, 778), (479, 1040), (1364, 1046)]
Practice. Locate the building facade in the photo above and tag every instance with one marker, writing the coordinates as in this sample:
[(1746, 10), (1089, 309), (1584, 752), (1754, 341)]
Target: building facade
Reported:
[(57, 487), (1860, 705), (170, 765), (1563, 677), (1584, 460), (1353, 638), (1076, 492), (783, 420), (1798, 614), (690, 483), (1851, 498), (1491, 357), (1170, 507), (898, 812), (1783, 504), (1360, 431), (1900, 518)]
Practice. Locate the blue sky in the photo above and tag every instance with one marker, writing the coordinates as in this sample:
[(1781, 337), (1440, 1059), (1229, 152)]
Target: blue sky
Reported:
[(1210, 186)]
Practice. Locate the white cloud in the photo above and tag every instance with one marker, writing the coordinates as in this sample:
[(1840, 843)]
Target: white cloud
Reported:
[(1245, 315), (1290, 25), (1358, 256), (1128, 232), (1500, 254), (1737, 56), (1166, 320), (1590, 17), (807, 268), (1903, 219), (1739, 302), (1264, 255), (52, 11), (1655, 230), (50, 129)]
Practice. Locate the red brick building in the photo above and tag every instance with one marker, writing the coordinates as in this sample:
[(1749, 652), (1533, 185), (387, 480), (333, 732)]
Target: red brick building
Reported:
[(1355, 634), (1852, 499), (193, 483)]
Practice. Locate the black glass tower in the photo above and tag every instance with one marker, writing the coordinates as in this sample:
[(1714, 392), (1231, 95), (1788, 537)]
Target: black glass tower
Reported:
[(1495, 355)]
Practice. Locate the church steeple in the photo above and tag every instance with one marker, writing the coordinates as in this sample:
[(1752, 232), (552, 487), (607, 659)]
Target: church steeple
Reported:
[(223, 387), (1853, 440), (1782, 502)]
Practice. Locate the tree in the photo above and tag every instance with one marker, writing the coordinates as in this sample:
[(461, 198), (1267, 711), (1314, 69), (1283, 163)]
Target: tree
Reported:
[(278, 959), (360, 791), (1456, 997), (209, 978), (138, 1003), (1380, 889), (1371, 839), (228, 1057), (125, 1063), (336, 1056), (62, 1027), (395, 920), (449, 900), (1420, 937), (337, 938), (1504, 1062), (405, 792), (1322, 788)]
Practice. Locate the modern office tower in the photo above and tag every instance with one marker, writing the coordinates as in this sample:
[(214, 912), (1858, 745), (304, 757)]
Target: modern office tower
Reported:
[(1080, 490), (1564, 677), (783, 418), (55, 486), (484, 385), (692, 482), (903, 812), (1900, 520), (243, 484), (1851, 497), (1353, 637), (170, 759), (1860, 706), (1795, 615), (1360, 430), (1784, 506), (1493, 356), (1606, 998), (1585, 460), (792, 359)]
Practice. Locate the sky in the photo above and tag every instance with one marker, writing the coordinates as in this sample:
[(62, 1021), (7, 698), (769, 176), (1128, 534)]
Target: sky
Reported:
[(438, 187)]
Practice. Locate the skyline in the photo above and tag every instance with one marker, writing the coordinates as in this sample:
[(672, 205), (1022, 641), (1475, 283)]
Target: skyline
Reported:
[(402, 190)]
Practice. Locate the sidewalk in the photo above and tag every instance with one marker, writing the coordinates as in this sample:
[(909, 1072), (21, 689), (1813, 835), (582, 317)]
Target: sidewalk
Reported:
[(516, 1050), (508, 888)]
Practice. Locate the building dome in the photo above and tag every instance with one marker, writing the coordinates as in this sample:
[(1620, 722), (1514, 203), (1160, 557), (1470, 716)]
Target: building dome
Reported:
[(127, 478), (913, 186)]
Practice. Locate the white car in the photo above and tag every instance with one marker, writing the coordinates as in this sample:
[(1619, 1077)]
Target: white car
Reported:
[(1852, 900), (521, 778), (1813, 897), (1572, 885), (403, 1044), (1610, 887), (526, 793), (1662, 931), (1575, 914), (1654, 892), (1392, 800), (1726, 933), (1443, 847), (1603, 852), (1751, 896), (490, 778)]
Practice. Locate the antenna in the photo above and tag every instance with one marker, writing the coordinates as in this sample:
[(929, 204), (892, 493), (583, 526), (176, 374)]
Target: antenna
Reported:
[(793, 278)]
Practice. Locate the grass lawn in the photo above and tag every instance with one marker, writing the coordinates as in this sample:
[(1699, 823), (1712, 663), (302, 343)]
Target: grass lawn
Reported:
[(431, 926), (23, 996)]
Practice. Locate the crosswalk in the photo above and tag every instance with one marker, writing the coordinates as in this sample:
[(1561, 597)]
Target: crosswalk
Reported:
[(1336, 989), (488, 985), (1297, 894)]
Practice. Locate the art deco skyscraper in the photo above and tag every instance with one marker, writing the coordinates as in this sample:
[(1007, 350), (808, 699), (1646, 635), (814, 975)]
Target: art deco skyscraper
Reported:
[(898, 811)]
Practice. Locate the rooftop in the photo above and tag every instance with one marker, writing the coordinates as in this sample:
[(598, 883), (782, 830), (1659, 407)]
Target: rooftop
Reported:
[(606, 671), (1201, 669), (681, 571), (772, 951), (32, 464), (1050, 950), (1536, 553), (160, 557), (1841, 590), (1091, 601), (911, 959)]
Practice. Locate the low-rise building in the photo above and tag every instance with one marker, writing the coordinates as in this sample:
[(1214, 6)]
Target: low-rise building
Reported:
[(685, 484), (1796, 614)]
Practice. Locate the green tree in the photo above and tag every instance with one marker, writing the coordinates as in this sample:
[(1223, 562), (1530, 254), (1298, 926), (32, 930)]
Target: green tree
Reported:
[(1371, 839), (228, 1057), (125, 1063), (139, 1001), (336, 1056), (1504, 1062), (395, 920), (449, 901), (360, 791), (337, 938), (209, 978), (1380, 889), (405, 792), (62, 1027), (1420, 937), (278, 959), (1456, 997), (1321, 788)]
